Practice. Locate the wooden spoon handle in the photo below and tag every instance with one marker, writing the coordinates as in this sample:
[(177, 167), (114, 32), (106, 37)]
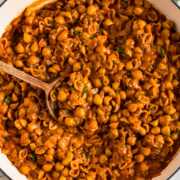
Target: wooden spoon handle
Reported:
[(9, 69)]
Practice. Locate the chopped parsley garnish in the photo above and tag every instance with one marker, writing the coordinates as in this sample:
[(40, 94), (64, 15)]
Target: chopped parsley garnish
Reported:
[(33, 157), (77, 21), (161, 52), (126, 1), (16, 114), (77, 33), (93, 36), (72, 88), (7, 99), (85, 90), (101, 30), (51, 23), (1, 80), (16, 89), (121, 51), (67, 111)]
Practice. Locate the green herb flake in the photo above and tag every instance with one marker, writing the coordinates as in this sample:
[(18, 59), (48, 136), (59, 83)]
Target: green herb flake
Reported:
[(161, 52), (22, 95), (72, 88), (85, 90), (93, 36), (1, 80), (120, 50), (67, 111), (68, 25), (101, 30), (16, 89), (33, 157), (16, 114), (77, 21), (125, 1), (51, 22), (7, 99), (77, 33)]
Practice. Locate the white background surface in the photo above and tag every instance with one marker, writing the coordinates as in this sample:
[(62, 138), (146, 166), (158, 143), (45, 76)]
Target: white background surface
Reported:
[(176, 176)]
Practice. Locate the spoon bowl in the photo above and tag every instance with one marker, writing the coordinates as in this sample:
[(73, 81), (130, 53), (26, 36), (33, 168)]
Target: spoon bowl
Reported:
[(46, 87)]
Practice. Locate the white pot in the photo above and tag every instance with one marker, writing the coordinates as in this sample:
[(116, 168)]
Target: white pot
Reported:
[(12, 8)]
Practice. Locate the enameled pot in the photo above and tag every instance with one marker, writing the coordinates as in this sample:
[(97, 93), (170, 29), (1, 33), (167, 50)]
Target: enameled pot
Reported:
[(9, 9)]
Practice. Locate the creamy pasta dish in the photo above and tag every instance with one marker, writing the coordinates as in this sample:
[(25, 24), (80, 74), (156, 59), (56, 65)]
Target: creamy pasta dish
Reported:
[(118, 104)]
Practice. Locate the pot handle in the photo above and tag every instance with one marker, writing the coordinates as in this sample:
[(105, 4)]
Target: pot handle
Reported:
[(2, 2), (3, 175), (176, 2)]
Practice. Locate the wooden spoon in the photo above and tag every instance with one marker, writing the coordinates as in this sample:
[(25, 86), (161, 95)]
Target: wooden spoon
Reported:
[(9, 69)]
